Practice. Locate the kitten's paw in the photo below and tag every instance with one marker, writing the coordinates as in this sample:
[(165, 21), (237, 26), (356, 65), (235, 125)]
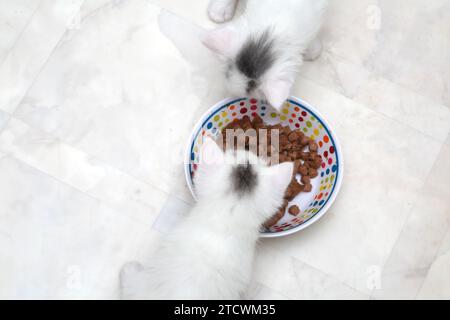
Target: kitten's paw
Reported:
[(313, 51), (221, 10)]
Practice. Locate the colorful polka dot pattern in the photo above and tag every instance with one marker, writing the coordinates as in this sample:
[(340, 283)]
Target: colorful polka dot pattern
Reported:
[(297, 117)]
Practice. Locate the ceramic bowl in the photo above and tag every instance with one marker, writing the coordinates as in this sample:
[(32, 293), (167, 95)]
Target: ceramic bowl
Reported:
[(297, 114)]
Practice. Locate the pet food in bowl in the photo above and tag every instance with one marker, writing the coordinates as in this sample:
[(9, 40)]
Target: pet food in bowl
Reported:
[(279, 144), (298, 115)]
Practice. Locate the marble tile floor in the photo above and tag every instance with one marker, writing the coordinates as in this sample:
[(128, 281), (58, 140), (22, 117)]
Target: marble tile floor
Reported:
[(95, 106)]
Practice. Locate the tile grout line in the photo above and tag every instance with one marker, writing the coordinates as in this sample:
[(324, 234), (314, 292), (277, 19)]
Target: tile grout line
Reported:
[(19, 36), (321, 271), (73, 188), (13, 114), (56, 46), (407, 218), (103, 162), (434, 259), (375, 111), (274, 290), (109, 3), (95, 11), (377, 74), (371, 295), (95, 157), (44, 64), (332, 277), (6, 122)]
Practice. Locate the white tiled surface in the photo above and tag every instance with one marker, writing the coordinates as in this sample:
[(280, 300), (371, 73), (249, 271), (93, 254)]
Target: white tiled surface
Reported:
[(92, 95)]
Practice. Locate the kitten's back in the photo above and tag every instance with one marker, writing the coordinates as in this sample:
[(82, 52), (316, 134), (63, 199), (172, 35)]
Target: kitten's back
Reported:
[(209, 254)]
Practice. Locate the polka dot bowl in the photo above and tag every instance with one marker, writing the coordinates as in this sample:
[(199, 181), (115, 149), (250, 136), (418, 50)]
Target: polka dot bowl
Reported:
[(297, 114)]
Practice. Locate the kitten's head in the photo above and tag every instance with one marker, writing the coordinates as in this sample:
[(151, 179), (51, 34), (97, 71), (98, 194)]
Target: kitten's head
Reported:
[(241, 176), (253, 66)]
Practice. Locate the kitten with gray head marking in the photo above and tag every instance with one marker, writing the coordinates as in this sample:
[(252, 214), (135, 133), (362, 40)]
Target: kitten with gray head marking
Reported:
[(263, 49), (209, 254)]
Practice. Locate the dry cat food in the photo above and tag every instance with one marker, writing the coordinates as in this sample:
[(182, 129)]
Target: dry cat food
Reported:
[(294, 210), (293, 146)]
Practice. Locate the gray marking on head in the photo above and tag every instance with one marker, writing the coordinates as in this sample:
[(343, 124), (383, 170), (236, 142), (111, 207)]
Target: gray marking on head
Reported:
[(256, 56), (251, 85), (244, 179)]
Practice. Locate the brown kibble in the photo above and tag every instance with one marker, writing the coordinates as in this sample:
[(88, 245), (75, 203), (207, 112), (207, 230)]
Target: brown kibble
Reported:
[(246, 123), (294, 210), (271, 221), (313, 146), (300, 133), (297, 165), (303, 155), (303, 170), (306, 180), (257, 122), (285, 130), (283, 158), (316, 163), (293, 155), (304, 140), (293, 136), (280, 212), (282, 209), (283, 142), (313, 173), (293, 189), (291, 147), (277, 216), (314, 153), (310, 165)]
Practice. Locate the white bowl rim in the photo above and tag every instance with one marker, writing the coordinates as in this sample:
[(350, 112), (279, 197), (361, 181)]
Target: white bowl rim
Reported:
[(318, 116)]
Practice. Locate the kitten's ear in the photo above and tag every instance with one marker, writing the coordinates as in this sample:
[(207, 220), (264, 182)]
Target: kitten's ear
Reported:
[(210, 153), (281, 175), (222, 41), (277, 91)]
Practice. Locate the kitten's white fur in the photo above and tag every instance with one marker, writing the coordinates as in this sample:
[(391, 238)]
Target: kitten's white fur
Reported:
[(221, 10), (209, 254), (294, 25)]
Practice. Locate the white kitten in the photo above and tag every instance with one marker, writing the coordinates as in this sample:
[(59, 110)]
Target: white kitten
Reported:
[(264, 47), (209, 254)]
